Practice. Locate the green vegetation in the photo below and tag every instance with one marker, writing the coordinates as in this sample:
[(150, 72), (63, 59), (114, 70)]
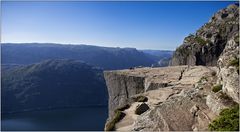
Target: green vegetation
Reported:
[(202, 79), (236, 39), (183, 51), (235, 63), (119, 115), (225, 96), (140, 98), (201, 41), (217, 88), (228, 120), (122, 108)]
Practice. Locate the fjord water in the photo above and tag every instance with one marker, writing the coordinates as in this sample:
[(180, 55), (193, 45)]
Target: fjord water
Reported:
[(87, 118)]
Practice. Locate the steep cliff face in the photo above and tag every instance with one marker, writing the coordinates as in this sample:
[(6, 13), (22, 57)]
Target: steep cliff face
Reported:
[(123, 84), (216, 44), (205, 47), (229, 68), (121, 88), (176, 97)]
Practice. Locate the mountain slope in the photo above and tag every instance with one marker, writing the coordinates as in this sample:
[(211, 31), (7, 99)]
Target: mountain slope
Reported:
[(51, 84), (216, 43), (205, 47), (107, 58)]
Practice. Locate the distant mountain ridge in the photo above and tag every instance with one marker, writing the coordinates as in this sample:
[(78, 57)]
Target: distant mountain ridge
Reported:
[(159, 53), (105, 57), (162, 57)]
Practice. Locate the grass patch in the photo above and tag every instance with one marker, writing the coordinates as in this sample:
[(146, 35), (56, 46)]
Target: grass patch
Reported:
[(235, 63), (119, 115), (228, 120), (201, 41), (217, 88), (140, 98)]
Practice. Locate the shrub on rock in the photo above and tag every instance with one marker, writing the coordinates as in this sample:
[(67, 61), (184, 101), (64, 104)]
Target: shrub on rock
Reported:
[(217, 88), (140, 98), (227, 121), (119, 115)]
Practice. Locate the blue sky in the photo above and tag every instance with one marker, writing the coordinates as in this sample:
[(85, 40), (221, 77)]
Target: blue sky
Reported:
[(143, 25)]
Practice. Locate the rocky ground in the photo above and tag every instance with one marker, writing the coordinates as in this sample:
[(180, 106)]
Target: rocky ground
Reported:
[(177, 97)]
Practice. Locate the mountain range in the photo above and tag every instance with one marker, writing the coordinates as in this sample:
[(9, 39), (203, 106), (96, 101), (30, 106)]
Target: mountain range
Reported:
[(104, 57)]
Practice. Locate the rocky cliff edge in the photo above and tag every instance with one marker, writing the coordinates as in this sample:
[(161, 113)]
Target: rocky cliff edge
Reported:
[(178, 97), (182, 98)]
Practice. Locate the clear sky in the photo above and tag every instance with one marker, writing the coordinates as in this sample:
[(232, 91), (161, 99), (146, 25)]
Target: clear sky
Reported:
[(143, 25)]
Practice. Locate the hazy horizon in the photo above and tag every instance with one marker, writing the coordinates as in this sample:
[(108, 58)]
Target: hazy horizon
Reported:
[(91, 45), (141, 25)]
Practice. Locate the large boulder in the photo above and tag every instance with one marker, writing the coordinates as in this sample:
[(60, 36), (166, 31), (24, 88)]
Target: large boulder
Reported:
[(141, 108), (185, 112)]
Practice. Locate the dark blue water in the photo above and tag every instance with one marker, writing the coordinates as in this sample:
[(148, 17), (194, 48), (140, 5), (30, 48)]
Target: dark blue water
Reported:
[(65, 119)]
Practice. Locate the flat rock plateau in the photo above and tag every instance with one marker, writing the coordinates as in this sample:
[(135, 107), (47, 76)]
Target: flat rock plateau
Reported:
[(177, 97)]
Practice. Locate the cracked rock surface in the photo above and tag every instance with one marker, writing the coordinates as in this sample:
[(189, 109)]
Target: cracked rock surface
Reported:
[(177, 105)]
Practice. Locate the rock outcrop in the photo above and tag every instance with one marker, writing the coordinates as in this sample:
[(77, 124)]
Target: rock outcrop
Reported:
[(207, 44), (229, 68), (122, 84), (216, 44), (180, 97), (121, 87), (141, 109), (175, 98)]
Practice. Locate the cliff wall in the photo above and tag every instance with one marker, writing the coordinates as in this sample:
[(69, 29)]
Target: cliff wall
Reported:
[(176, 97), (207, 44)]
